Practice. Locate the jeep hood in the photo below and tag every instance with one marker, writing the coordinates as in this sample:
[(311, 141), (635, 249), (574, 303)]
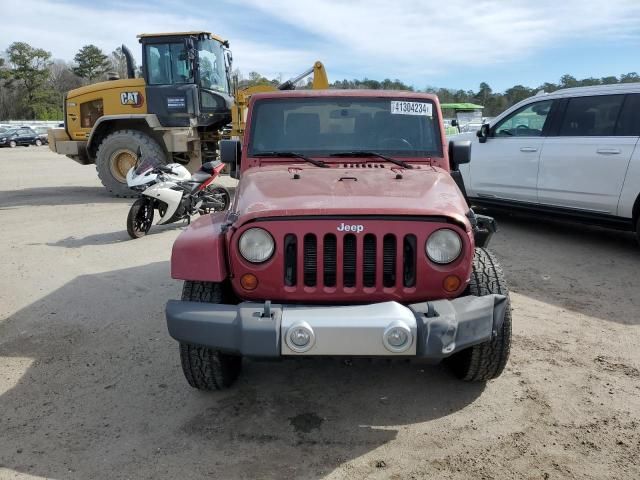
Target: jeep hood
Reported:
[(274, 191)]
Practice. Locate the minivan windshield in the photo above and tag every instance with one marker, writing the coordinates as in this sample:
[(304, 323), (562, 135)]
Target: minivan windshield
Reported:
[(328, 126)]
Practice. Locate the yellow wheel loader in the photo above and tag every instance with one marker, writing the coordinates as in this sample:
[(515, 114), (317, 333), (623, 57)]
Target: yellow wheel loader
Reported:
[(178, 111)]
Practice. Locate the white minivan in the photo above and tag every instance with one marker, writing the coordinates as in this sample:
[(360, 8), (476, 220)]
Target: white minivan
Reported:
[(573, 152)]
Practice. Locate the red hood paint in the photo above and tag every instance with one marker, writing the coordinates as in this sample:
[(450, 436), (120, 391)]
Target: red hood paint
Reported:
[(271, 190)]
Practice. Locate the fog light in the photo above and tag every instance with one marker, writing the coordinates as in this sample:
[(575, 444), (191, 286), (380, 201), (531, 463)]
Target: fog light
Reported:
[(300, 337), (451, 283), (397, 337), (249, 281)]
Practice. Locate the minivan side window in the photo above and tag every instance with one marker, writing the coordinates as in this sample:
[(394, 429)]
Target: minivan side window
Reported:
[(593, 116), (527, 122), (629, 120)]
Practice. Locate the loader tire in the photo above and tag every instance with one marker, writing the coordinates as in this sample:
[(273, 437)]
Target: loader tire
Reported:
[(487, 360), (117, 154), (203, 367)]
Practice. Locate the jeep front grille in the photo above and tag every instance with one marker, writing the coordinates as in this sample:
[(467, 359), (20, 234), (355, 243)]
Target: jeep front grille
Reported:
[(332, 260)]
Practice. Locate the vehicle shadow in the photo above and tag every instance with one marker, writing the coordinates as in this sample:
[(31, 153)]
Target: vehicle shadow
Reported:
[(57, 196), (100, 386), (111, 238), (63, 195), (582, 268)]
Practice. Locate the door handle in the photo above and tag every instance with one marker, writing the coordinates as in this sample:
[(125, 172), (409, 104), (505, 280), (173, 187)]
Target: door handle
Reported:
[(528, 149), (608, 151)]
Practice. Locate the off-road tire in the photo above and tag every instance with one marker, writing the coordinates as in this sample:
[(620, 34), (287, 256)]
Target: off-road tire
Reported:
[(128, 140), (487, 360), (205, 368)]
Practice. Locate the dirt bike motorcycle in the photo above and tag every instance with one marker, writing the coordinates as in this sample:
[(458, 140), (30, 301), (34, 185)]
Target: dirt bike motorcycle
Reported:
[(174, 193)]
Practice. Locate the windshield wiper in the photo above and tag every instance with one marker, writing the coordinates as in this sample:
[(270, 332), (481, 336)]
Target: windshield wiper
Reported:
[(365, 153), (317, 163)]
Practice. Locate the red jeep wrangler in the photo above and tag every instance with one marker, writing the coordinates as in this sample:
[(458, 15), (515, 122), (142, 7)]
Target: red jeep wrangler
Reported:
[(349, 235)]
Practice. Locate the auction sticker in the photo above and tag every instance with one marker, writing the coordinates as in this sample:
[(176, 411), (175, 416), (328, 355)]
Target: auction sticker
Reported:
[(411, 108)]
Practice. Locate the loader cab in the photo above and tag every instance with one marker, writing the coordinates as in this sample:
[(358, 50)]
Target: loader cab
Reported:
[(187, 78)]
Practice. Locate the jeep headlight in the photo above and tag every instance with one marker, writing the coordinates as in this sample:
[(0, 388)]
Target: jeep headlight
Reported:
[(256, 245), (443, 246)]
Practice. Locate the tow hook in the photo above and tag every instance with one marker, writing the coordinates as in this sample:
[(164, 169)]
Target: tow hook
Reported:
[(266, 313)]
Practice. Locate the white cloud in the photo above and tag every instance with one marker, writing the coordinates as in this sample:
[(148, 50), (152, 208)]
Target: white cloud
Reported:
[(65, 28), (406, 39), (414, 36)]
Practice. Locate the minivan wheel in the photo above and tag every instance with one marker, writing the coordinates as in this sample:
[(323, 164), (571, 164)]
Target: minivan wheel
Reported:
[(203, 367), (487, 360)]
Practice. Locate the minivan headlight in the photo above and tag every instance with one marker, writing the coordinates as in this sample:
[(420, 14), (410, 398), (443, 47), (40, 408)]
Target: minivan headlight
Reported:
[(443, 246), (256, 245)]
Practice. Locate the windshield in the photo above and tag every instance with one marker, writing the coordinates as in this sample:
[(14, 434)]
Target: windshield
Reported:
[(145, 164), (211, 66), (326, 126)]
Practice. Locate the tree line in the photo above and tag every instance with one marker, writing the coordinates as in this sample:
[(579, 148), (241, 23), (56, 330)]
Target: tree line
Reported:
[(32, 84)]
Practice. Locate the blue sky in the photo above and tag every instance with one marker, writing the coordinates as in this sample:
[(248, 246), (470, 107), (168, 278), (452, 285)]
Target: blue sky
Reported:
[(453, 43)]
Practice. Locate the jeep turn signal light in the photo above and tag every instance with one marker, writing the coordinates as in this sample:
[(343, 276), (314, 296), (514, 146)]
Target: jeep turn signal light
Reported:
[(249, 281), (451, 283)]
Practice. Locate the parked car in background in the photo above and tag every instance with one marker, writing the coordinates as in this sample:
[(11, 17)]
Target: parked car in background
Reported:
[(24, 136), (572, 152), (42, 134)]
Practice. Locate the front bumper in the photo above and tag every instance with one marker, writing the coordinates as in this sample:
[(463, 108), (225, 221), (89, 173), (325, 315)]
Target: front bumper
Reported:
[(438, 328)]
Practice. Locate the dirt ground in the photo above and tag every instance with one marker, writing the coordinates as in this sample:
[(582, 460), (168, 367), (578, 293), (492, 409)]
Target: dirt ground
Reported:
[(91, 387)]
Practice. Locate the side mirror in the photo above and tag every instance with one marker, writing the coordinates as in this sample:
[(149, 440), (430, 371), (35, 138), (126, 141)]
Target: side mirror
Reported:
[(230, 154), (454, 123), (483, 133), (459, 153)]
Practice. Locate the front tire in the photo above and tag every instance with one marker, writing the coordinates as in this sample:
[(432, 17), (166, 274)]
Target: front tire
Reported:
[(205, 368), (38, 142), (487, 360), (140, 218), (12, 144), (117, 155)]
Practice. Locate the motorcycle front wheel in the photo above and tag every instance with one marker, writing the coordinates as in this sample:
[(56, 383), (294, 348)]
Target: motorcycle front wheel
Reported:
[(140, 218)]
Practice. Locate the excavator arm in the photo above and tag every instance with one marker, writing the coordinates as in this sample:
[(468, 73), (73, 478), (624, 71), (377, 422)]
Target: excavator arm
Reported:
[(242, 96)]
